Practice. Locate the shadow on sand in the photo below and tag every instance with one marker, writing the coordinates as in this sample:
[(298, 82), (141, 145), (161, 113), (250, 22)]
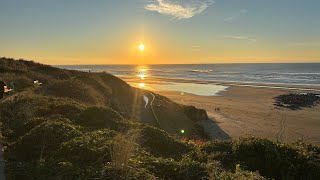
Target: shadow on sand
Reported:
[(213, 130)]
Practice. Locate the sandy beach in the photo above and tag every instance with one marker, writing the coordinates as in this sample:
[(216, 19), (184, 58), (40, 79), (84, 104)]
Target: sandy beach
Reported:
[(250, 110)]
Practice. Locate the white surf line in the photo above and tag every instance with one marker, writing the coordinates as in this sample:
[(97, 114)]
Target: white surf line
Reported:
[(277, 87), (146, 100), (244, 84)]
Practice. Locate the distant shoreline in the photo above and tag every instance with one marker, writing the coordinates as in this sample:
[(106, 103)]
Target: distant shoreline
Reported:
[(303, 76), (155, 80)]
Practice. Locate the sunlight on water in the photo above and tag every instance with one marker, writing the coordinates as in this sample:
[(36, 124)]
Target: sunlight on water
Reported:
[(142, 85), (142, 74), (191, 88), (143, 82)]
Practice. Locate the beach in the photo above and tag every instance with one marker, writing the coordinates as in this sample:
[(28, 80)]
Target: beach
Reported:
[(251, 111), (246, 109)]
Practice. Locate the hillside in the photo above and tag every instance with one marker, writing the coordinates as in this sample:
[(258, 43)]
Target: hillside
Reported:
[(80, 125), (100, 89)]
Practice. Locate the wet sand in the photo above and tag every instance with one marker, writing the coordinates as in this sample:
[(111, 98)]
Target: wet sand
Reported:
[(251, 110)]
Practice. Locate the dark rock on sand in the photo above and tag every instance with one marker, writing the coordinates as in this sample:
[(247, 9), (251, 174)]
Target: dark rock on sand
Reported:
[(297, 101), (195, 114)]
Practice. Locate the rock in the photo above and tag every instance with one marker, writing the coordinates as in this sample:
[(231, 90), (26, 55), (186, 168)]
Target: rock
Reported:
[(297, 101), (195, 114)]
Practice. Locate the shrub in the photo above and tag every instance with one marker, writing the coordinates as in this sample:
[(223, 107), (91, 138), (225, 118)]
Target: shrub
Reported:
[(159, 143), (218, 173), (16, 112), (90, 148), (101, 117), (33, 122), (171, 169), (52, 169), (123, 148), (43, 140), (116, 173), (72, 88), (273, 160)]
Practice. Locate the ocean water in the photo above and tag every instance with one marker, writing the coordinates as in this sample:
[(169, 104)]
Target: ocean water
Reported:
[(292, 74)]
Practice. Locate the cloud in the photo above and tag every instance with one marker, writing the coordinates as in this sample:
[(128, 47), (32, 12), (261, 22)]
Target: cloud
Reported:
[(183, 10), (241, 38), (309, 44), (195, 48), (236, 16)]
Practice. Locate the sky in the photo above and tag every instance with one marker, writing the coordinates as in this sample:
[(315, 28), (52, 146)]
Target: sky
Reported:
[(173, 31)]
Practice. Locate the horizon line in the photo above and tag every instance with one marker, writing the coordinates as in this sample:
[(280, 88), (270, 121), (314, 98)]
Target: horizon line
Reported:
[(187, 63), (267, 62)]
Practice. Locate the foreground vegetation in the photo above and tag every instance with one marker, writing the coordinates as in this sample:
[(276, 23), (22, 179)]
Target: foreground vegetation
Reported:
[(46, 136)]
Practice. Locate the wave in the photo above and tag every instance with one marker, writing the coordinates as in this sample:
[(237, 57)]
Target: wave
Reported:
[(202, 70), (294, 74)]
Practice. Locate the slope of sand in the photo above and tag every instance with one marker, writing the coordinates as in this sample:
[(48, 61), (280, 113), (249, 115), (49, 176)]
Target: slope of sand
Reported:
[(250, 110)]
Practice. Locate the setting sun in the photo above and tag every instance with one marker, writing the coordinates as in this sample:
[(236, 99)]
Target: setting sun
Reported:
[(141, 47)]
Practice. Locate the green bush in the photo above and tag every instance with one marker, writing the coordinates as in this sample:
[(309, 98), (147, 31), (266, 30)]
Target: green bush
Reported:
[(273, 160), (217, 173), (171, 169), (43, 140), (217, 145), (52, 169), (102, 117), (16, 112), (92, 147), (33, 122), (116, 173), (159, 143)]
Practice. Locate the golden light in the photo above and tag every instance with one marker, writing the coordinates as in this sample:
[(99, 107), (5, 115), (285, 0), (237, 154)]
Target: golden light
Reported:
[(141, 47), (142, 76), (141, 85), (142, 72)]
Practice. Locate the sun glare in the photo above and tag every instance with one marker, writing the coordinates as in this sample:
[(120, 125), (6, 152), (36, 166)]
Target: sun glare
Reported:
[(141, 47), (142, 85)]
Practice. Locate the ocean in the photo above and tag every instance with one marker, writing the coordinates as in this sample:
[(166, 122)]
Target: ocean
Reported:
[(291, 74)]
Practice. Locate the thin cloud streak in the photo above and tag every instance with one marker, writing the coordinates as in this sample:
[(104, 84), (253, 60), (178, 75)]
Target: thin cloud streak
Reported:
[(241, 38), (306, 44), (236, 16), (195, 48), (179, 11)]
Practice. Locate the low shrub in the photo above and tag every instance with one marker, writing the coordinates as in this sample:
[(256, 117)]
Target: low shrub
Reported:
[(90, 148), (271, 159), (171, 169), (102, 117), (128, 173), (159, 143), (43, 140)]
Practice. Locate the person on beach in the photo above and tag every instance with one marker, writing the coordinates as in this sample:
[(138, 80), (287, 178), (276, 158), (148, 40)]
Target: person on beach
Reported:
[(2, 85)]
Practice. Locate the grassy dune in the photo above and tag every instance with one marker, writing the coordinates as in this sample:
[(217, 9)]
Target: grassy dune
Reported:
[(86, 126)]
